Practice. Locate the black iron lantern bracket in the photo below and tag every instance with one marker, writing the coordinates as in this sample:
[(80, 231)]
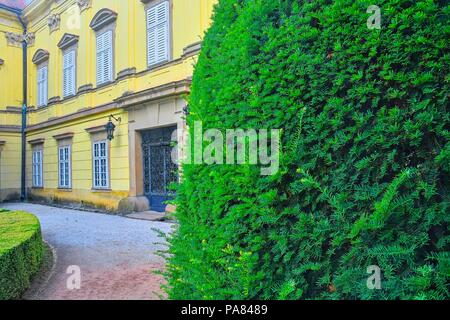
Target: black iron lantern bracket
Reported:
[(110, 126)]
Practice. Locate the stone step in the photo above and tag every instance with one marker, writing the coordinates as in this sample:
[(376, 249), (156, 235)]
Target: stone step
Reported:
[(147, 215)]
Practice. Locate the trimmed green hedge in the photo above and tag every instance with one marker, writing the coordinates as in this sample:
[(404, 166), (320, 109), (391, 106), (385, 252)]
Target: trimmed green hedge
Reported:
[(21, 252), (364, 177)]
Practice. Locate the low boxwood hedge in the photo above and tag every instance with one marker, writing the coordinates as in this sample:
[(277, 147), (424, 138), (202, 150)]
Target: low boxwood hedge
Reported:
[(20, 252)]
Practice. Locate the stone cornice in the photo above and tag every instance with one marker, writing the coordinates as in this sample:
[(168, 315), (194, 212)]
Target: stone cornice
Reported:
[(41, 8), (192, 49), (73, 116), (11, 109), (7, 128), (176, 88)]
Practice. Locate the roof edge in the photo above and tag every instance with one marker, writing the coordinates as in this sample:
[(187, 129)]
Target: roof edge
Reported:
[(10, 9)]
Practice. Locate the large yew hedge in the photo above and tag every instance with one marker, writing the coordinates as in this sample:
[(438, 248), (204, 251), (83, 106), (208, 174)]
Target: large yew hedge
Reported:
[(20, 252), (365, 167)]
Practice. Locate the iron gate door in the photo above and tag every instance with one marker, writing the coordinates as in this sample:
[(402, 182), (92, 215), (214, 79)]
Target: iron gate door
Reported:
[(159, 169)]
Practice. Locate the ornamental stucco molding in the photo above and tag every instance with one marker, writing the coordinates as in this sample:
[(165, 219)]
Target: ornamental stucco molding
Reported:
[(29, 38), (84, 4), (15, 39), (54, 22)]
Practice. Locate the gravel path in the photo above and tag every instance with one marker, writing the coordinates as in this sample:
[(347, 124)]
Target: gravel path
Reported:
[(116, 255)]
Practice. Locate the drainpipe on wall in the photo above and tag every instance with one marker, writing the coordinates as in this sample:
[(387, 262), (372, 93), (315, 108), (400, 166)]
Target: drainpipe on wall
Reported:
[(23, 193)]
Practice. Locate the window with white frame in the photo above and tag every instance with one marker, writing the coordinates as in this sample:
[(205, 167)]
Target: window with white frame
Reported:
[(37, 168), (69, 73), (158, 33), (42, 85), (64, 167), (101, 165), (104, 57)]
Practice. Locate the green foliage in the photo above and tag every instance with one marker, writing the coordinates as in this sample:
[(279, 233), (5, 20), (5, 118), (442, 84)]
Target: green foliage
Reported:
[(366, 168), (20, 252)]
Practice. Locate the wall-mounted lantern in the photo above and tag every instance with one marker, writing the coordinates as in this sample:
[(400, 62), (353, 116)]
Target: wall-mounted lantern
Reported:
[(186, 110), (110, 127), (1, 62)]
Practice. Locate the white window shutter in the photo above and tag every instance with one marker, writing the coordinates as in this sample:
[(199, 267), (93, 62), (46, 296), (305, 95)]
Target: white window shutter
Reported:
[(65, 75), (109, 56), (69, 73), (99, 59), (71, 82), (39, 86), (42, 86), (163, 31), (151, 35), (45, 89), (158, 33), (104, 57)]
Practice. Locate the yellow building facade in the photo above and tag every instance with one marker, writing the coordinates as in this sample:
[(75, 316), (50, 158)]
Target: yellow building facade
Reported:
[(106, 82)]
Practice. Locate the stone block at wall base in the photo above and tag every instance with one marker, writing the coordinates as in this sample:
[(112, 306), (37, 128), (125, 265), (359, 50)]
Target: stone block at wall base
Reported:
[(91, 200), (171, 209), (134, 204), (9, 195)]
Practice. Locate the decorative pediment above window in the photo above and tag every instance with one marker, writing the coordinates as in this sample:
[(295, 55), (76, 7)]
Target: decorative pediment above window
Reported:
[(40, 56), (103, 18), (36, 141), (67, 40), (64, 136)]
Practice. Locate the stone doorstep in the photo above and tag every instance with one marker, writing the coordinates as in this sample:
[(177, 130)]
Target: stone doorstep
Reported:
[(147, 215)]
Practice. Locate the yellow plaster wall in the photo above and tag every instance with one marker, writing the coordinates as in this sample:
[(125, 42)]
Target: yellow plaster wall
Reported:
[(10, 172), (82, 188), (190, 18), (11, 70)]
